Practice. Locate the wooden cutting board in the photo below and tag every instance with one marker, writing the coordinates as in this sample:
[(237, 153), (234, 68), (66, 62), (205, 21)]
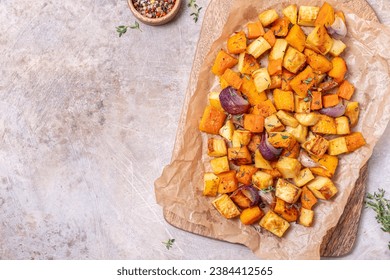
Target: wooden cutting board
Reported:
[(339, 240)]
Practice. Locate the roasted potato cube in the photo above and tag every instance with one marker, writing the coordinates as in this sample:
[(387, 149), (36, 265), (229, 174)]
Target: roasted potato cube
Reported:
[(254, 123), (222, 62), (306, 217), (342, 125), (267, 17), (241, 138), (286, 210), (316, 100), (322, 187), (337, 47), (293, 60), (325, 15), (287, 119), (226, 206), (302, 105), (299, 132), (352, 112), (248, 88), (291, 12), (264, 108), (287, 191), (269, 36), (251, 215), (274, 223), (210, 184), (272, 124), (346, 90), (258, 47), (280, 26), (304, 177), (282, 140), (220, 165), (325, 125), (262, 180), (309, 119), (339, 69), (261, 162), (330, 100), (245, 173), (227, 182), (316, 146), (328, 165), (255, 30), (354, 141), (212, 120), (239, 155), (232, 78), (261, 79), (302, 82), (308, 199), (237, 43), (247, 63), (216, 147), (319, 40), (214, 100), (284, 100), (317, 61), (307, 15), (289, 167), (227, 130), (337, 146)]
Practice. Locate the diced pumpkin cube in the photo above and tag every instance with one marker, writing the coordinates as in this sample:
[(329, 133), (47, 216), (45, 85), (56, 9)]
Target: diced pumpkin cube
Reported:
[(339, 69), (272, 123), (275, 67), (232, 78), (258, 47), (307, 15), (316, 146), (216, 147), (322, 187), (284, 100), (287, 76), (352, 112), (269, 36), (342, 125), (226, 206), (241, 138), (319, 40), (264, 108), (255, 30), (317, 61), (227, 182), (308, 199), (325, 125), (309, 119), (254, 143), (286, 210), (337, 47), (220, 165), (337, 146), (289, 167), (325, 15), (292, 152), (287, 191), (346, 90), (240, 199), (280, 26), (222, 62), (328, 165), (210, 183), (245, 173), (247, 63), (304, 177), (282, 140), (330, 100), (306, 217), (251, 215), (293, 60), (296, 38), (262, 180), (274, 224), (276, 81), (302, 105), (273, 172), (287, 119), (316, 100), (267, 17), (254, 123), (299, 132), (212, 120), (261, 79), (354, 141), (248, 88), (302, 82), (214, 100), (223, 83), (239, 155), (227, 130), (237, 43), (261, 162)]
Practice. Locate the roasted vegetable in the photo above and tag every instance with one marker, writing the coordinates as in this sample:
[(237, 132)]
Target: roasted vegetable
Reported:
[(222, 62)]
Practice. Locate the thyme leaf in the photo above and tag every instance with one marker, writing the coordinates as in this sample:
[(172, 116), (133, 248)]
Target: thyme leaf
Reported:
[(169, 243), (195, 10), (122, 29)]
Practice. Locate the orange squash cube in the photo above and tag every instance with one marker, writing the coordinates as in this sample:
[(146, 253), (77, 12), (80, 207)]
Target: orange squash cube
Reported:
[(346, 90), (308, 199), (325, 15), (296, 38), (237, 43), (286, 210), (222, 62), (227, 182), (264, 108), (232, 78), (317, 61), (330, 100), (251, 215), (287, 76), (316, 100), (275, 67), (339, 69), (354, 141), (280, 26), (248, 88), (284, 100), (244, 174), (255, 30), (254, 123), (239, 155), (212, 120), (302, 82), (269, 36)]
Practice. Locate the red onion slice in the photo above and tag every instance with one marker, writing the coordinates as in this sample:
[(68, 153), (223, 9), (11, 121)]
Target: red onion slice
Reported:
[(335, 111), (306, 160), (252, 193), (232, 102), (268, 151)]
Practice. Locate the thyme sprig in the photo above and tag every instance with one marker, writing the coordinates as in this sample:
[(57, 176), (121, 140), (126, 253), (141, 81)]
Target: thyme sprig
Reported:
[(195, 10), (268, 189), (122, 29), (169, 243)]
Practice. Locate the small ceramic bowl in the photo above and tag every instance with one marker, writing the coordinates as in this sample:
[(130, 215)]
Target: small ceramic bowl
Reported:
[(155, 21)]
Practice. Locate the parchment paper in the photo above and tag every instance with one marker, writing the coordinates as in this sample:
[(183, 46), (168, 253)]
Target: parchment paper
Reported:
[(179, 189)]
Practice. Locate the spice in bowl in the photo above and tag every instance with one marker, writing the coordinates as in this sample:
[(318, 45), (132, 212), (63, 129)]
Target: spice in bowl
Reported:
[(154, 8)]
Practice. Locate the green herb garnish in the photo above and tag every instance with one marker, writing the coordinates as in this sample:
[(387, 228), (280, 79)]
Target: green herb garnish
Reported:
[(195, 10), (268, 189), (308, 80), (122, 29), (169, 243)]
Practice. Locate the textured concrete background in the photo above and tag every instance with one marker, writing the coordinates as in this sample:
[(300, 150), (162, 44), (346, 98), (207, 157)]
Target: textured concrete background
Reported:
[(88, 121)]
